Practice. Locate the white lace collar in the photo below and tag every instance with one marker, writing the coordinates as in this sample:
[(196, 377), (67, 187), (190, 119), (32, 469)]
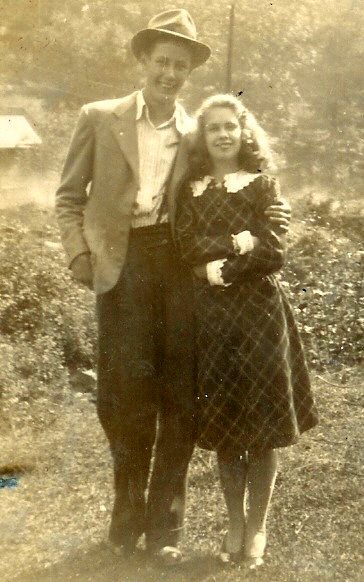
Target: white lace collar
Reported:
[(199, 186), (238, 180), (233, 182)]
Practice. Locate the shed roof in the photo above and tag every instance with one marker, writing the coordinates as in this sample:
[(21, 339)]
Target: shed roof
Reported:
[(17, 132)]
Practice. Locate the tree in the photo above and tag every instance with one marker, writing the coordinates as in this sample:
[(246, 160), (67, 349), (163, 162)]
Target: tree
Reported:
[(297, 65)]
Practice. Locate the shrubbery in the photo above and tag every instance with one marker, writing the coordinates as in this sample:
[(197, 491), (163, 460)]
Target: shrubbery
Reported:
[(47, 327), (324, 276), (47, 324)]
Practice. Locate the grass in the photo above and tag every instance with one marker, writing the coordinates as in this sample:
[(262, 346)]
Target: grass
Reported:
[(54, 523)]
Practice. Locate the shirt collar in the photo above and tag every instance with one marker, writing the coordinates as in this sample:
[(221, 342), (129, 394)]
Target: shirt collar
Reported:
[(178, 118)]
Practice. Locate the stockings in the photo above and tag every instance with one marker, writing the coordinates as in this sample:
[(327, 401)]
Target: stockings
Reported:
[(253, 473)]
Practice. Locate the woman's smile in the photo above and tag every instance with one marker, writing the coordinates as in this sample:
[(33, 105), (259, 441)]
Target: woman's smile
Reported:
[(222, 134), (224, 145)]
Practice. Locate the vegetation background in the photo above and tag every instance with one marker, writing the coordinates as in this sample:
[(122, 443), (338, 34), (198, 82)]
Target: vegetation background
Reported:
[(298, 66)]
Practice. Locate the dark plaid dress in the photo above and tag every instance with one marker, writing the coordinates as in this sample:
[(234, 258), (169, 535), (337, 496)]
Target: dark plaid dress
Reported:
[(253, 382)]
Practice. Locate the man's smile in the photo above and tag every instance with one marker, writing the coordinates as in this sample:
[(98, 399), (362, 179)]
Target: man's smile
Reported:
[(168, 86)]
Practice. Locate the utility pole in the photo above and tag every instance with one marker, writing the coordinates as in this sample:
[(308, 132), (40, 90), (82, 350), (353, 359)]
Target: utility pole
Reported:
[(230, 44)]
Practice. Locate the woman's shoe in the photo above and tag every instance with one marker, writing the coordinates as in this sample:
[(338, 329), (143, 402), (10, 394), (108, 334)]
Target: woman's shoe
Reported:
[(230, 557), (254, 551), (254, 564), (168, 556)]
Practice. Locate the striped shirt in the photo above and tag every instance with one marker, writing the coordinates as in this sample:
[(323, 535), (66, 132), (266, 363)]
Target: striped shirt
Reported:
[(157, 151)]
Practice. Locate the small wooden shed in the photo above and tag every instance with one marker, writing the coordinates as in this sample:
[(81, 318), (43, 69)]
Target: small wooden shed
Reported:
[(17, 132), (19, 150)]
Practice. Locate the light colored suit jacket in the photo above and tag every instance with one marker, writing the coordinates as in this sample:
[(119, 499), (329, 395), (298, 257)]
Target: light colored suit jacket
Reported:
[(99, 184)]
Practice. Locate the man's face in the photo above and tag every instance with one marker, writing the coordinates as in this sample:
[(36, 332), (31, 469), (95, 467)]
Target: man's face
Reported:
[(167, 67)]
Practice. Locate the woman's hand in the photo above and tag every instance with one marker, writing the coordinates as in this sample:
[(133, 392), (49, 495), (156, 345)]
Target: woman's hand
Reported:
[(200, 271)]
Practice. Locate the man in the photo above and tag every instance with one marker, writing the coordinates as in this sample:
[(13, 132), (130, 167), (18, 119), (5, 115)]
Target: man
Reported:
[(116, 209)]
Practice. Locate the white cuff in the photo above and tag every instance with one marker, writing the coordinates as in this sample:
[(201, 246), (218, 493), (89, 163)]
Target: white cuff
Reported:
[(214, 275), (243, 242)]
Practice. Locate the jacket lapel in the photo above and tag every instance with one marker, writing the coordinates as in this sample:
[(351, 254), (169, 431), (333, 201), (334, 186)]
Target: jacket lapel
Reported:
[(186, 126), (178, 173), (124, 129)]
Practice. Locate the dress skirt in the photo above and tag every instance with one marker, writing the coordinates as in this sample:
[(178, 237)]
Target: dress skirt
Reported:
[(254, 386)]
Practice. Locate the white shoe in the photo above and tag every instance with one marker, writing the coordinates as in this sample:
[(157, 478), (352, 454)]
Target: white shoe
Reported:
[(169, 556), (254, 551)]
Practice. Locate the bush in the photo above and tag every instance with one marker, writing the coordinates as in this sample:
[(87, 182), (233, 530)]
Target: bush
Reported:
[(47, 326), (324, 275), (33, 383), (38, 299)]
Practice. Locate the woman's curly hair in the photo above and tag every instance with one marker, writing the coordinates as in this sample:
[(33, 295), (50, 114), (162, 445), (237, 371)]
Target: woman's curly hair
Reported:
[(255, 154)]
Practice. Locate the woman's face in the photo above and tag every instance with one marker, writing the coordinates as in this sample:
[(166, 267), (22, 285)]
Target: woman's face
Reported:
[(222, 134)]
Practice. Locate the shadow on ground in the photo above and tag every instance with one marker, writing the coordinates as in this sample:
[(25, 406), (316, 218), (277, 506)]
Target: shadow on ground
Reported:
[(99, 565)]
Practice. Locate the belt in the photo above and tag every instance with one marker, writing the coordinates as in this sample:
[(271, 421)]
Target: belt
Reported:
[(155, 235)]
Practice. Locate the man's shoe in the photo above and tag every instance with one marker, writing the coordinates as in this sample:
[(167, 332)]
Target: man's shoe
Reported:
[(119, 550)]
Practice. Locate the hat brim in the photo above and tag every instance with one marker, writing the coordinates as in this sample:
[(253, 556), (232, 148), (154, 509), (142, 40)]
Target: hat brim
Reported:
[(139, 44)]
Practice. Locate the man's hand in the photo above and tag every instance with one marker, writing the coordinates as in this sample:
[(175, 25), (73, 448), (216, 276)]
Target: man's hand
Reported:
[(279, 215), (81, 268), (200, 271)]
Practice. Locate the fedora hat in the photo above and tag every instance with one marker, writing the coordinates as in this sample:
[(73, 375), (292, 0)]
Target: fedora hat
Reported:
[(169, 25)]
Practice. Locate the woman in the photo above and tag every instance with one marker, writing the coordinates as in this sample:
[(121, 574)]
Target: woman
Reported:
[(254, 389)]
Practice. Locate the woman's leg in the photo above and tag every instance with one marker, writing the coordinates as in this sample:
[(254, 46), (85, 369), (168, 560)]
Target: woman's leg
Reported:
[(232, 470), (261, 476)]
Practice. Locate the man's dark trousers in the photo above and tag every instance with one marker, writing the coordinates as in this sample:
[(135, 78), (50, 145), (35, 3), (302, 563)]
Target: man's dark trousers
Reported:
[(146, 377)]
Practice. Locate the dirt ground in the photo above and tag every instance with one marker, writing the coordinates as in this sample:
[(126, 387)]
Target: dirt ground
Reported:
[(53, 525)]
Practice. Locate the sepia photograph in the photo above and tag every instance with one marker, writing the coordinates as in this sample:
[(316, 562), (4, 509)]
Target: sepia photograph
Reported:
[(181, 291)]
